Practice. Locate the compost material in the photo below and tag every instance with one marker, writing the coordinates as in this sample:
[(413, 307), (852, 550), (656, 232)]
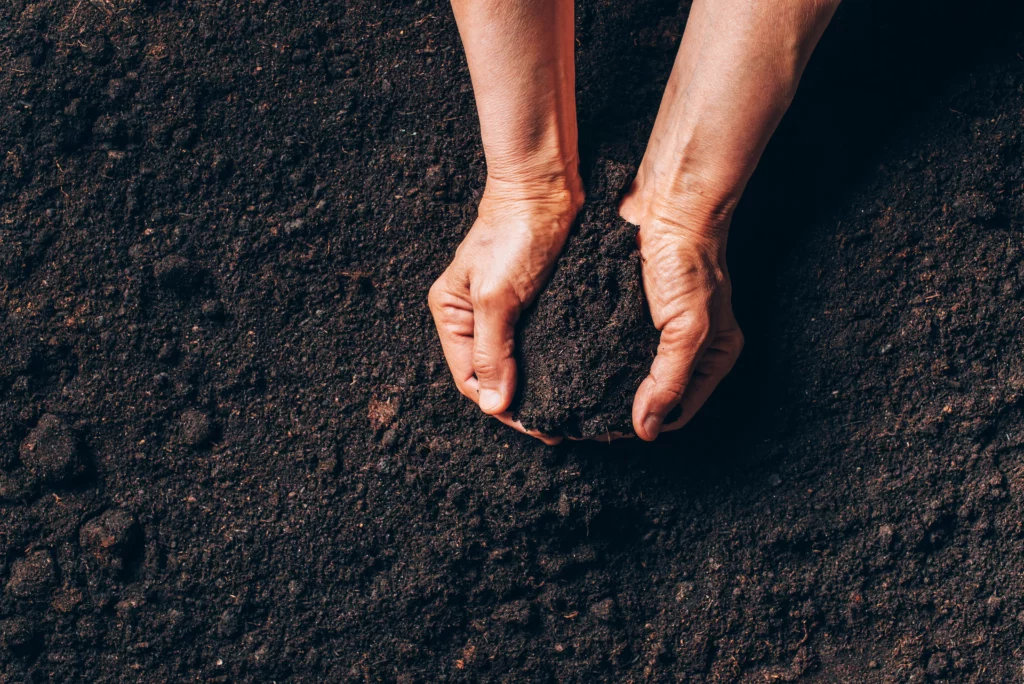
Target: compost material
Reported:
[(231, 450), (588, 341)]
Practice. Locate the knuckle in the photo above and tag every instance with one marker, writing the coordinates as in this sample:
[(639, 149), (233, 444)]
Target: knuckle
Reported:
[(491, 297), (672, 394), (465, 391), (715, 280), (484, 364), (667, 391), (688, 328), (490, 363), (466, 246), (695, 322), (434, 294), (667, 394)]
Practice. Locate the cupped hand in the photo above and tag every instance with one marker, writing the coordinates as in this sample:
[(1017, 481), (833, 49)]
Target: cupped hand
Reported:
[(686, 282), (498, 270)]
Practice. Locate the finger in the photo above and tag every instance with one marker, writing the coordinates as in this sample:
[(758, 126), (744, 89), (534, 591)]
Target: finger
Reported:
[(683, 340), (716, 363), (493, 337), (507, 419), (453, 317)]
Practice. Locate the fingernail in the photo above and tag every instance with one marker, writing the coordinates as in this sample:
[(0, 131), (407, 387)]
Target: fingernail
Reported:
[(652, 424), (489, 400)]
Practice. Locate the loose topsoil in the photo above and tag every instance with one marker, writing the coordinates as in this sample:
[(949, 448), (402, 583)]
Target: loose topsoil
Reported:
[(230, 449), (588, 341)]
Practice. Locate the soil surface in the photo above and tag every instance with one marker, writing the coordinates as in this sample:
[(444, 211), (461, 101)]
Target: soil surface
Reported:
[(230, 449)]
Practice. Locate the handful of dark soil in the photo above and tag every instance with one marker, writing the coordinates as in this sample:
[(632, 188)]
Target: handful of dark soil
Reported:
[(587, 343)]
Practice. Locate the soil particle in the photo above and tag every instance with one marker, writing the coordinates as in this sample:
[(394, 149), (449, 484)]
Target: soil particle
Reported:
[(175, 272), (886, 536), (993, 606), (183, 137), (516, 613), (11, 488), (67, 600), (16, 634), (110, 537), (194, 428), (381, 413), (50, 452), (33, 575), (168, 352), (938, 663), (213, 310), (229, 626), (604, 610)]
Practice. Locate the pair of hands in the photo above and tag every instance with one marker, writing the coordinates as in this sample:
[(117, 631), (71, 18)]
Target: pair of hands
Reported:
[(506, 259), (735, 74)]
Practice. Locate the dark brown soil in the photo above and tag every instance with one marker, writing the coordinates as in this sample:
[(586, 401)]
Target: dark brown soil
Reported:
[(230, 449), (588, 341)]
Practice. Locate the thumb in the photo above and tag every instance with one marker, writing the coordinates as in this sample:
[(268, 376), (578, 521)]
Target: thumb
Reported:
[(683, 341), (494, 320)]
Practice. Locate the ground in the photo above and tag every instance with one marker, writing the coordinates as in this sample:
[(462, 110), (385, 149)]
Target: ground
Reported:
[(230, 449)]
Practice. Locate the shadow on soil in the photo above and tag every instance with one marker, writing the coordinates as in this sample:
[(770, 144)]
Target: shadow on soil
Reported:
[(878, 66)]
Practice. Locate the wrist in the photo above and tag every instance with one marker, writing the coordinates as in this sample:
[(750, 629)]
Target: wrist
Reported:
[(552, 188), (543, 169), (675, 232), (682, 204)]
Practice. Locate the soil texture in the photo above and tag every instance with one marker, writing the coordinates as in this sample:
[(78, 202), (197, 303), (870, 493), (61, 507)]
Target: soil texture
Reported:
[(588, 341), (230, 448)]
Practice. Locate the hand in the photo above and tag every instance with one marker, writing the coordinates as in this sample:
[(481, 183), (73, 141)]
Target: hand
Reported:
[(520, 57), (498, 270), (735, 75), (688, 290)]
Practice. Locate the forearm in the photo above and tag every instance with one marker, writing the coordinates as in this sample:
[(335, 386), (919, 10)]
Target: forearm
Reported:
[(520, 55), (736, 75)]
